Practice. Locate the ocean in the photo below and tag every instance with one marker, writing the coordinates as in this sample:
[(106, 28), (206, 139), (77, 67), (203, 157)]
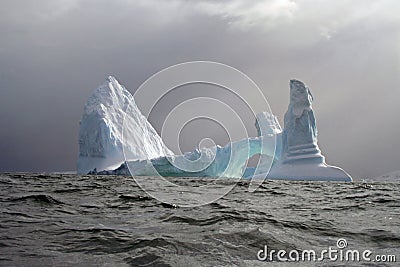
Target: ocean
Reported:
[(89, 220)]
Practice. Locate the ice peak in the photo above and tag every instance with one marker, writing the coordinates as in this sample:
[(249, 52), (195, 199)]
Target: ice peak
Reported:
[(296, 83), (112, 82), (101, 138), (300, 97), (297, 87), (111, 79), (267, 124)]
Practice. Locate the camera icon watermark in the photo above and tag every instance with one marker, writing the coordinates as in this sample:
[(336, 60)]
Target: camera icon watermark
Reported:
[(340, 253)]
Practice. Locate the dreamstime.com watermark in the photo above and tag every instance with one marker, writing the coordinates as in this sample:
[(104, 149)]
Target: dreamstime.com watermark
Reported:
[(340, 253)]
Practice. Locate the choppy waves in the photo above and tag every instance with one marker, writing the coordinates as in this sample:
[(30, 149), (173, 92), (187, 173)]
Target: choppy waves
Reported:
[(69, 220)]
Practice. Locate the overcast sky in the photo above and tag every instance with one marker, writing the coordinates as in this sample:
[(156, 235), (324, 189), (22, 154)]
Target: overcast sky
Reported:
[(54, 53)]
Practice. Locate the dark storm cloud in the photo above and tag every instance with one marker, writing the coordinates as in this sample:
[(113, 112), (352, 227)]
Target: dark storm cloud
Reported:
[(54, 53)]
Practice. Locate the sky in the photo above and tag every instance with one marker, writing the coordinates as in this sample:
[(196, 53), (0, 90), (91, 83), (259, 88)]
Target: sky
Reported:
[(54, 53)]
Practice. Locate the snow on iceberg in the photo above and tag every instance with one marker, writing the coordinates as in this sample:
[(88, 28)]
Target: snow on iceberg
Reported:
[(100, 134)]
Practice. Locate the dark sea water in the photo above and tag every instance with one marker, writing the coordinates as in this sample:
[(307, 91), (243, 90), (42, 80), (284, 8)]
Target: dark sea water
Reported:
[(70, 220)]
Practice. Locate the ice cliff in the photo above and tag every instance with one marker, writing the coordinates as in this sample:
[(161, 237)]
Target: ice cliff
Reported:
[(100, 134)]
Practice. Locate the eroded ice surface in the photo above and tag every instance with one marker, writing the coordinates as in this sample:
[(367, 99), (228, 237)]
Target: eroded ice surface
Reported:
[(100, 134), (301, 158)]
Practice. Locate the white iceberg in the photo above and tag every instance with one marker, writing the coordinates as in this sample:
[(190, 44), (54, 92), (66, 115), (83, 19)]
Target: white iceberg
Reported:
[(101, 142), (290, 154), (300, 156)]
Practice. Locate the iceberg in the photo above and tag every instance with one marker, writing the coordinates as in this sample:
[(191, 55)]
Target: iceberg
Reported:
[(227, 161), (292, 153), (300, 156), (101, 141), (269, 130)]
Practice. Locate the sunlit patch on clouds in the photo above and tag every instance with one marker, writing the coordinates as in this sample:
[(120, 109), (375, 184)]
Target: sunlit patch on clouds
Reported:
[(245, 14), (239, 14), (327, 32)]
